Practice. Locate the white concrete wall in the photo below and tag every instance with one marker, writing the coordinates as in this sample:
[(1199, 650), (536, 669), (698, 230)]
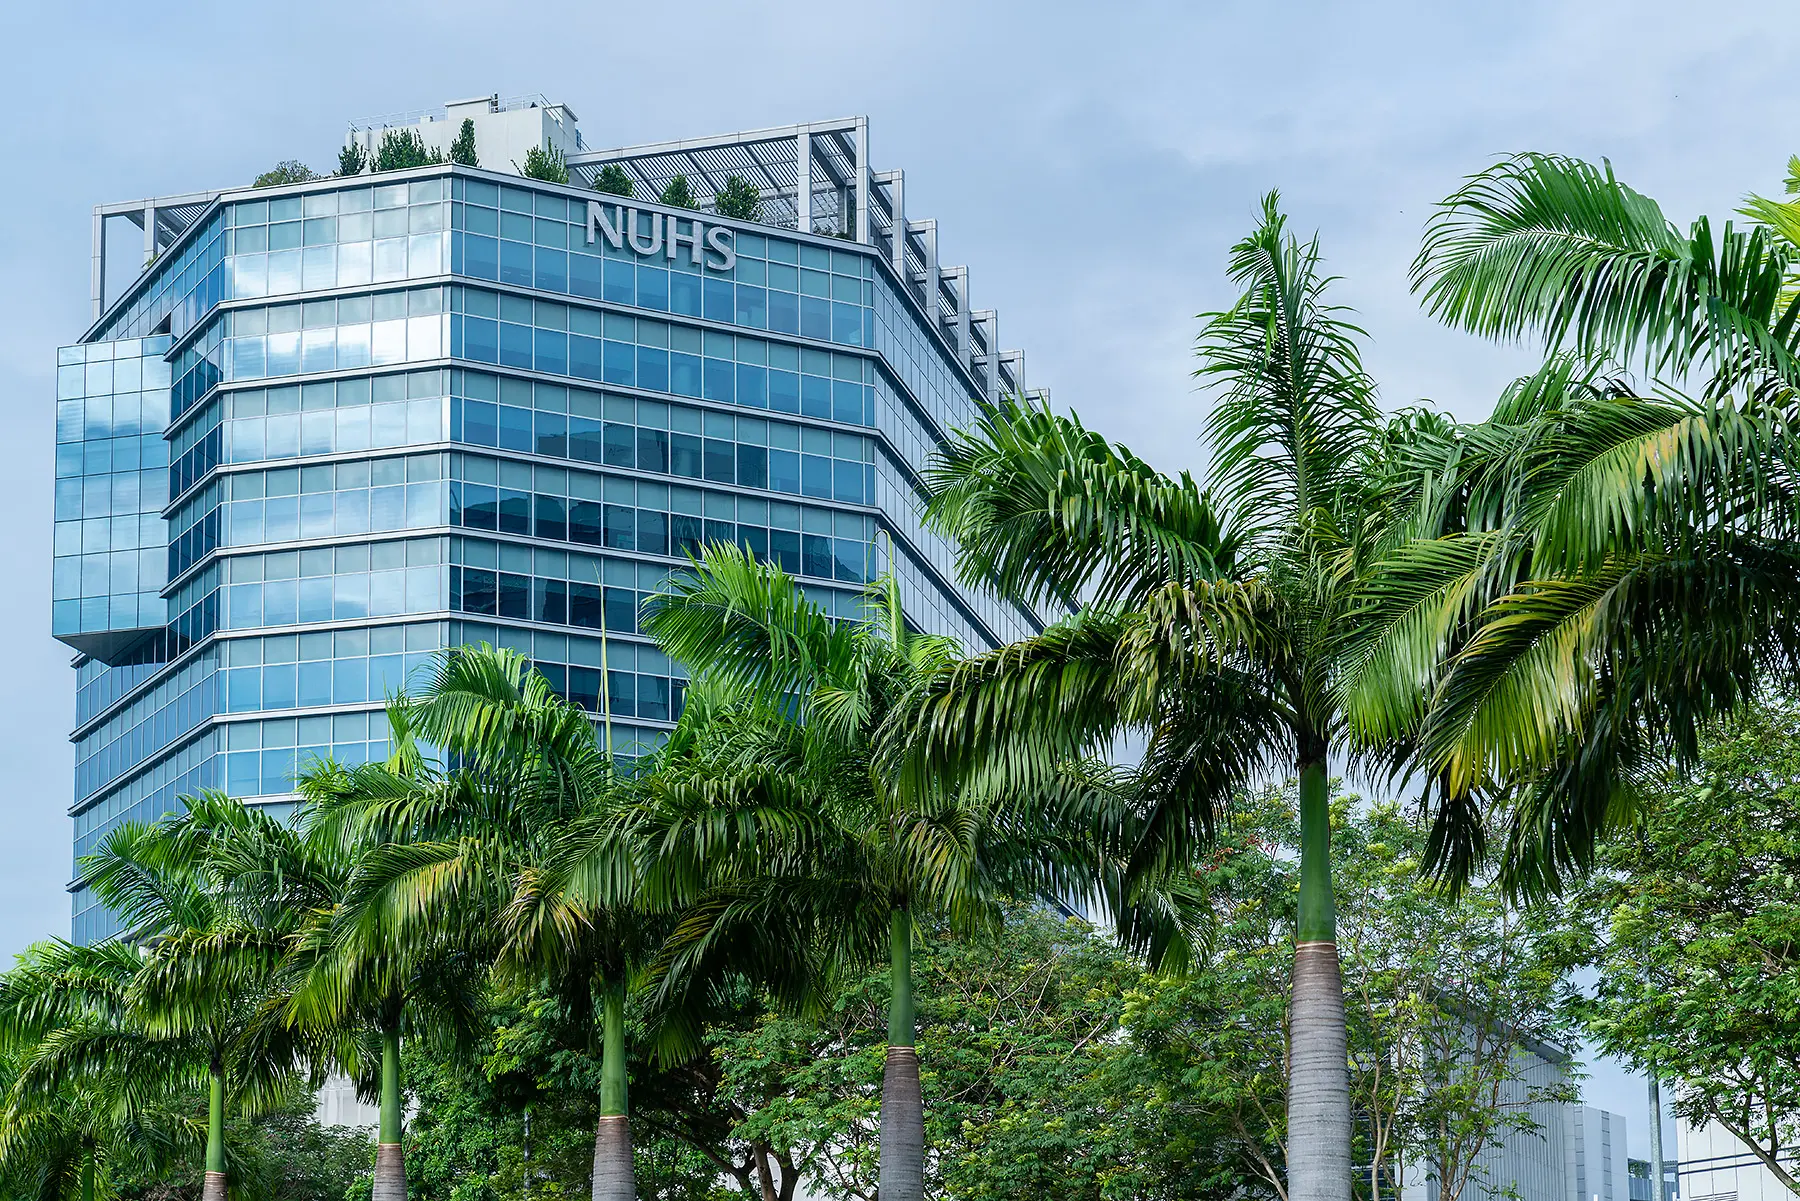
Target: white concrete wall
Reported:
[(501, 139), (1715, 1166), (337, 1105)]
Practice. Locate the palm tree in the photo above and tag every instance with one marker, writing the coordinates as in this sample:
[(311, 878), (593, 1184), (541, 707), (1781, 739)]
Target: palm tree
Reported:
[(779, 827), (1213, 627), (485, 849), (211, 958), (578, 928), (87, 1098), (1601, 568), (370, 992)]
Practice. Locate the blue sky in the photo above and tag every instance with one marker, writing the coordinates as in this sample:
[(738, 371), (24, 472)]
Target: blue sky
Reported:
[(1090, 163)]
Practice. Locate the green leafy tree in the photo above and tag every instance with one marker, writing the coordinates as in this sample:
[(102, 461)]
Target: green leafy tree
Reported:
[(280, 1155), (353, 159), (613, 180), (545, 163), (285, 172), (740, 199), (783, 825), (1603, 567), (297, 1159), (1217, 639), (516, 1119), (677, 194), (402, 149), (462, 150), (1696, 937), (1443, 994)]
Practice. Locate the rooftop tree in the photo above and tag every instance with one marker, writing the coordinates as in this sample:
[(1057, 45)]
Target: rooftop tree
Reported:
[(401, 149), (462, 150), (545, 163), (740, 199), (613, 180), (285, 172), (677, 194)]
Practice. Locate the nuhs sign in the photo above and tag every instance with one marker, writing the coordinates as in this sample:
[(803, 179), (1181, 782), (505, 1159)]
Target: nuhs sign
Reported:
[(708, 248)]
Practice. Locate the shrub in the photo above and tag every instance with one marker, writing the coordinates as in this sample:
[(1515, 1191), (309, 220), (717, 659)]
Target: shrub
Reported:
[(462, 150), (740, 199), (613, 180), (286, 171), (677, 194), (546, 164), (403, 148)]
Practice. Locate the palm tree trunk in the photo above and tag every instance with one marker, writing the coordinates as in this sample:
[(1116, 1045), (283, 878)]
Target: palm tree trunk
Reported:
[(902, 1174), (1318, 1149), (87, 1171), (214, 1187), (390, 1156), (613, 1179)]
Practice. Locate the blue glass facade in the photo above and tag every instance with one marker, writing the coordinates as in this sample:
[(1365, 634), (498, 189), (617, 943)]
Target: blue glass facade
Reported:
[(340, 426)]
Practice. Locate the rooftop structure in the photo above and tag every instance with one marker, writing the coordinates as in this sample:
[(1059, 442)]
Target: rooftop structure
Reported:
[(815, 177)]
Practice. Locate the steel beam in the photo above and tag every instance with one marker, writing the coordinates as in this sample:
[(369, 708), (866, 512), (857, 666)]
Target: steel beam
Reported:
[(97, 264)]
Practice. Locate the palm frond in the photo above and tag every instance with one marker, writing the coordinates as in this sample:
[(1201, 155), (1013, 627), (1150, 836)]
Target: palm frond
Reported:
[(1292, 407), (749, 625), (1046, 510), (1555, 247)]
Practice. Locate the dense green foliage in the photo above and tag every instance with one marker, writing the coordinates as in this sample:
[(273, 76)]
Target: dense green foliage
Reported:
[(613, 180), (353, 159), (677, 194), (280, 1156), (1696, 937), (401, 149), (1057, 1064), (545, 163), (739, 199), (285, 172), (462, 150)]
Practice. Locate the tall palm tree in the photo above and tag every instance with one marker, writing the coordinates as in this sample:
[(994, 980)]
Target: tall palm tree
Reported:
[(1213, 627), (779, 824), (1603, 566), (482, 848), (366, 993), (211, 955)]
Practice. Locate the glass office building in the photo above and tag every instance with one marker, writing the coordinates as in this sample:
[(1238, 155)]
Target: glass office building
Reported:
[(334, 427)]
